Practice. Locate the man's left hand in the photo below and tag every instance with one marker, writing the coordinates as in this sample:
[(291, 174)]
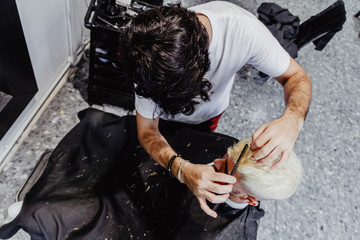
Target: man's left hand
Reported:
[(275, 138)]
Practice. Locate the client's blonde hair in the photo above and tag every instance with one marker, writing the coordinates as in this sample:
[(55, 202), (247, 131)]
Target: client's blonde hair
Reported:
[(263, 182)]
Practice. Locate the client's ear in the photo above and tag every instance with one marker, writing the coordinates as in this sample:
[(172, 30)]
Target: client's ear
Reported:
[(219, 165), (252, 201), (249, 200)]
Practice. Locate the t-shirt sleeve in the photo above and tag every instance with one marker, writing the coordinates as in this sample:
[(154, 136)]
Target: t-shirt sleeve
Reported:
[(267, 54), (145, 107)]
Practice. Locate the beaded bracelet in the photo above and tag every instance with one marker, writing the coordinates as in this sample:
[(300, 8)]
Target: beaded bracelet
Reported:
[(171, 162), (179, 172)]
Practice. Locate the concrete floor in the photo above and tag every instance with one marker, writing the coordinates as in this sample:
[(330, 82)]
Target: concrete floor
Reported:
[(326, 205)]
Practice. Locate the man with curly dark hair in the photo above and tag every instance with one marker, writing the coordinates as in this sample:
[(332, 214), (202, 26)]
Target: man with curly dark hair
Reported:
[(170, 63), (183, 63)]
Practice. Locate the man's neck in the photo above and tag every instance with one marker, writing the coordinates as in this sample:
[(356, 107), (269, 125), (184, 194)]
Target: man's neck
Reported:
[(204, 20), (236, 205), (237, 199)]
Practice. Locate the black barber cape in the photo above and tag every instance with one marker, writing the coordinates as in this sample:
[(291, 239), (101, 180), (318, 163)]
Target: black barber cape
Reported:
[(99, 183)]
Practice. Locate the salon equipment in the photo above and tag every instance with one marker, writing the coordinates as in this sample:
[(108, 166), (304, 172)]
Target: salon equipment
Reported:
[(238, 161), (234, 168), (107, 19)]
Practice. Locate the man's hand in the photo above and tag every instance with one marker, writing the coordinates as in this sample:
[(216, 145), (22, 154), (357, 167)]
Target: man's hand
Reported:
[(201, 179), (279, 136), (275, 138)]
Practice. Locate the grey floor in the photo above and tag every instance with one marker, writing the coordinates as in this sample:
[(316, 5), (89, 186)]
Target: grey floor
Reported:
[(326, 205)]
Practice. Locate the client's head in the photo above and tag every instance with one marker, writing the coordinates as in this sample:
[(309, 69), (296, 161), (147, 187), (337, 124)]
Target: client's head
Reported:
[(261, 182)]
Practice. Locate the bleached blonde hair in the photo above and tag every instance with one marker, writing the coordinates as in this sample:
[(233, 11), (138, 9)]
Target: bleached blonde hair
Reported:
[(263, 182)]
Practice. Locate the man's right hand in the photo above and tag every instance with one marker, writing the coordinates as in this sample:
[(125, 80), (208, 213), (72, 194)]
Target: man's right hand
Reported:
[(201, 180)]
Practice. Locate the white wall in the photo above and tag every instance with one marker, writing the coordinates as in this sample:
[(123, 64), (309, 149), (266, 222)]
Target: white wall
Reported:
[(78, 34), (54, 32)]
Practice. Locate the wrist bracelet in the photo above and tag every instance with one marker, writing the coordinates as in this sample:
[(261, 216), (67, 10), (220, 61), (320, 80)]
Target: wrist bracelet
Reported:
[(171, 162), (179, 172)]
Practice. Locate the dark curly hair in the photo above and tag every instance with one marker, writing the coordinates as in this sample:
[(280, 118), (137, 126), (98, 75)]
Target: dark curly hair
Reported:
[(166, 49)]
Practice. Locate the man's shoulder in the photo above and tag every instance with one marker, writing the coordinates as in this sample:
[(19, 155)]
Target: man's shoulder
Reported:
[(222, 7), (215, 4)]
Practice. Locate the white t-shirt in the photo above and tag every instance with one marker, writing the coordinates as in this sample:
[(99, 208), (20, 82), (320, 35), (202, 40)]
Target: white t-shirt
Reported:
[(238, 38)]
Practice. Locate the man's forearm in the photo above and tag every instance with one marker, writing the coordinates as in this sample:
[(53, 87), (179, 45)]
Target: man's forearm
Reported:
[(159, 149), (277, 138), (297, 94), (200, 179)]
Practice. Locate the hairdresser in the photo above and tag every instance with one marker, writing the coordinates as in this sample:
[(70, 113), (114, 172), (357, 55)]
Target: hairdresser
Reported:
[(183, 63)]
